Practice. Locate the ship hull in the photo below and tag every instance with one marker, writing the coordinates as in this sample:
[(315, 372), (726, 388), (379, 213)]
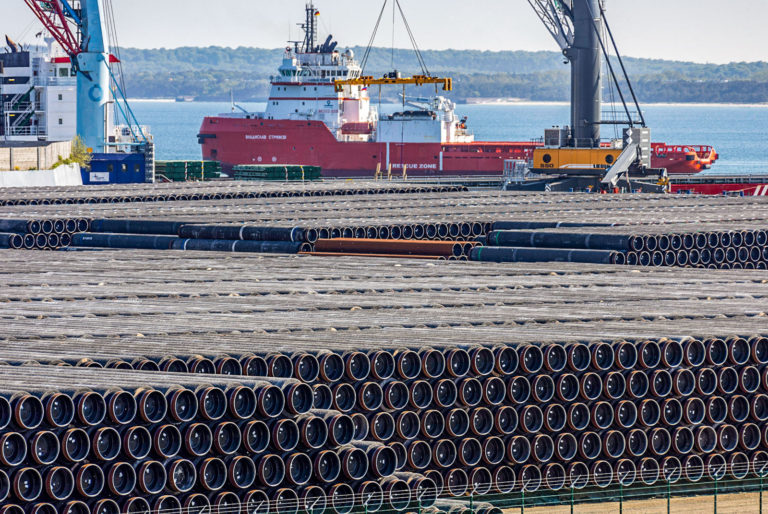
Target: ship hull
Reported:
[(236, 141)]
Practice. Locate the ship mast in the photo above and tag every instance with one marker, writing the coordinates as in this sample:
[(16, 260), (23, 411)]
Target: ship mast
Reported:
[(310, 29)]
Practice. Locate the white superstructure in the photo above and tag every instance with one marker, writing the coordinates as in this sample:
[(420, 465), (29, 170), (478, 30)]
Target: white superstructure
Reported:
[(38, 97)]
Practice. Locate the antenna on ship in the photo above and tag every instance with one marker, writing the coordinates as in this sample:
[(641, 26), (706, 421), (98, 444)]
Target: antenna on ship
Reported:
[(310, 29)]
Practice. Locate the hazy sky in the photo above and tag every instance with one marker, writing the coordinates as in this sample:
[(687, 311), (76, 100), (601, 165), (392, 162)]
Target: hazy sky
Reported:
[(704, 31)]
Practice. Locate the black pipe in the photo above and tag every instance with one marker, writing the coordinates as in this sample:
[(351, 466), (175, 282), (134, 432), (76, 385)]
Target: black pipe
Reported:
[(510, 254)]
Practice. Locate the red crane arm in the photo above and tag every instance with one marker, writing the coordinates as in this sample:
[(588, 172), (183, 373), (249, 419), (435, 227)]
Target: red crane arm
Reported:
[(51, 15)]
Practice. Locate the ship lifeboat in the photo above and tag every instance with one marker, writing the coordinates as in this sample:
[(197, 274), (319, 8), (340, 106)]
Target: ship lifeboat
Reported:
[(357, 129), (688, 159)]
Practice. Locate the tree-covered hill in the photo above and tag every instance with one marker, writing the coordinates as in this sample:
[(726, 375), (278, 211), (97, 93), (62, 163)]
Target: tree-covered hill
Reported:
[(212, 72)]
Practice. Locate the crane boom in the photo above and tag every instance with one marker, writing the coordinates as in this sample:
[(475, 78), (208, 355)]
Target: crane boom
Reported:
[(557, 18), (57, 16)]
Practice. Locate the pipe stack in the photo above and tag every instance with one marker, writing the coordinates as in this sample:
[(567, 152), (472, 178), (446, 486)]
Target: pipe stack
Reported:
[(718, 249), (40, 234)]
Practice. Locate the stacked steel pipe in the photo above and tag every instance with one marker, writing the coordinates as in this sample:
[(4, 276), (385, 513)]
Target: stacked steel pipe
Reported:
[(402, 425), (723, 249), (40, 234)]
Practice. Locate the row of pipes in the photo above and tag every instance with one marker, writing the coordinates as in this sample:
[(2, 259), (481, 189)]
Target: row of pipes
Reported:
[(198, 194), (395, 429), (43, 234)]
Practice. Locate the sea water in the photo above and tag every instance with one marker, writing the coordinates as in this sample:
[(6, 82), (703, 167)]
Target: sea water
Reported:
[(739, 133)]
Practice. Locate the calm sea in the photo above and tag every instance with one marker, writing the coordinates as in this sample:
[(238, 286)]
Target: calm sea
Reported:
[(739, 133)]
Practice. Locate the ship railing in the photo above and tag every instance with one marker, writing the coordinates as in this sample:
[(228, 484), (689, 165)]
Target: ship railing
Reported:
[(55, 81), (21, 107), (27, 131)]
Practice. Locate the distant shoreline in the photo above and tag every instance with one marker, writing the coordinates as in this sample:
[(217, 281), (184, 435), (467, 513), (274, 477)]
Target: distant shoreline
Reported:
[(492, 102)]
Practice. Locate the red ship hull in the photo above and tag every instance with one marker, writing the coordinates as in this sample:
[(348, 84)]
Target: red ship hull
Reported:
[(235, 141)]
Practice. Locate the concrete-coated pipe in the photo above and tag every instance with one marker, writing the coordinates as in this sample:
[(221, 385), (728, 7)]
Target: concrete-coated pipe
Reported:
[(578, 416), (518, 390), (637, 442), (590, 445), (518, 449)]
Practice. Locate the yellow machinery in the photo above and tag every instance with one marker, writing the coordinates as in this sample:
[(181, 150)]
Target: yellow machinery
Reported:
[(562, 160), (418, 80)]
